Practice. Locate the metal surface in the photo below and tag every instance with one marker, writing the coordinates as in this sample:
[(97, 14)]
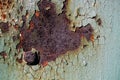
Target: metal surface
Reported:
[(96, 62)]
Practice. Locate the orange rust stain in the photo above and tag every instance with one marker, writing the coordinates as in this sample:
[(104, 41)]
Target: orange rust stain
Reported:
[(31, 25), (3, 16), (37, 13), (45, 63), (92, 38)]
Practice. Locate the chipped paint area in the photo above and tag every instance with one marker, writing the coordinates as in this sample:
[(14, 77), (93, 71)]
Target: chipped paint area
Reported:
[(49, 33), (22, 13)]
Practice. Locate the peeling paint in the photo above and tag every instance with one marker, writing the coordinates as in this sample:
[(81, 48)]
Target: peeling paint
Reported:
[(49, 33)]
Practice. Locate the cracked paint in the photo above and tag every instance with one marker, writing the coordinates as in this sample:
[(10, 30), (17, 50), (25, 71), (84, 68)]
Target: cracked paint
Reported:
[(49, 33)]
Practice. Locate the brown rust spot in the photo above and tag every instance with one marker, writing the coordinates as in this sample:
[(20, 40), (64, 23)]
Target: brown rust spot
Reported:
[(45, 63), (86, 31), (16, 26), (92, 37), (6, 4), (3, 54), (3, 16), (99, 21), (4, 27), (50, 33), (31, 26), (19, 60), (37, 13)]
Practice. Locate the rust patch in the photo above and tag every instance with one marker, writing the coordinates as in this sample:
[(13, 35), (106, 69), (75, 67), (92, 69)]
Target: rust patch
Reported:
[(5, 7), (3, 54), (6, 4), (3, 16), (4, 27), (19, 60), (49, 33), (99, 21), (85, 31)]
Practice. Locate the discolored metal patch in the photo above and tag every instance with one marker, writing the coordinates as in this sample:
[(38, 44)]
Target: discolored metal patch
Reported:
[(49, 33)]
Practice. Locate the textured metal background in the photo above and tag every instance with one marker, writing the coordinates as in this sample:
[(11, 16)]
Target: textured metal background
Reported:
[(98, 62)]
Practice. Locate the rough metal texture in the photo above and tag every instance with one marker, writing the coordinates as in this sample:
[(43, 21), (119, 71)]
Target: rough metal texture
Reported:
[(97, 61), (49, 33)]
